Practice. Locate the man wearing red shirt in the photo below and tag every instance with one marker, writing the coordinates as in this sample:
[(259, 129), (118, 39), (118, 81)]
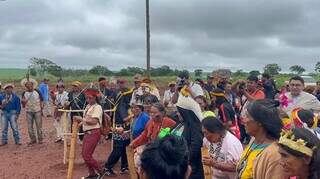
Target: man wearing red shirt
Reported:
[(248, 92)]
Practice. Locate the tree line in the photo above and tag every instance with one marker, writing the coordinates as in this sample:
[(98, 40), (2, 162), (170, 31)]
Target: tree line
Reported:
[(42, 66)]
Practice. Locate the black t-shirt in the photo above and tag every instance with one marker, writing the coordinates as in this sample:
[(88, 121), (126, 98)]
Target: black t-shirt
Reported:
[(77, 101)]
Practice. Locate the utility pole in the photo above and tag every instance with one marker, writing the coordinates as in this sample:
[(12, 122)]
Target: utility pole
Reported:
[(148, 38)]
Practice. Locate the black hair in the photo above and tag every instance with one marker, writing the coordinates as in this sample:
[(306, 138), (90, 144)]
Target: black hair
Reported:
[(219, 99), (139, 106), (311, 142), (101, 78), (160, 107), (266, 113), (306, 116), (166, 158), (298, 78), (57, 86), (253, 78), (213, 125), (266, 75)]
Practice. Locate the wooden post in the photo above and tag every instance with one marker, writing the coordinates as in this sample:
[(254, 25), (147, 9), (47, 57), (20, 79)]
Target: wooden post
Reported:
[(72, 149), (132, 168), (65, 145), (206, 169)]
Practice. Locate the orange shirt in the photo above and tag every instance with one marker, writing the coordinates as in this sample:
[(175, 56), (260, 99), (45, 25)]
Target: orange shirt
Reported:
[(152, 130), (258, 94)]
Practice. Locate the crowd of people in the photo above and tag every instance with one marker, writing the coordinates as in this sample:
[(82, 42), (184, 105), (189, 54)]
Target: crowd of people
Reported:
[(251, 128)]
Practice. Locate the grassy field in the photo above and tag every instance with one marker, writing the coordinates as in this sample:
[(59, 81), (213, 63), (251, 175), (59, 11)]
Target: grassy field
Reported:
[(12, 75), (15, 76)]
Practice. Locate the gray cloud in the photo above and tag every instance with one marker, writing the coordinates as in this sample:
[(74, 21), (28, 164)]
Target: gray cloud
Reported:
[(189, 34)]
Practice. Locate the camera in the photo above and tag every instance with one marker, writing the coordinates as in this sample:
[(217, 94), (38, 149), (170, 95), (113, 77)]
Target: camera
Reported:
[(242, 86), (181, 83)]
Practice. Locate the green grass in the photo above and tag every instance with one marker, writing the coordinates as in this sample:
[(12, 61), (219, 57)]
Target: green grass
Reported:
[(12, 75)]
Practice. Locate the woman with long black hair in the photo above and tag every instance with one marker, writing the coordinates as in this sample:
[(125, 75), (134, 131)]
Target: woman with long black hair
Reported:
[(260, 158), (224, 149), (226, 113)]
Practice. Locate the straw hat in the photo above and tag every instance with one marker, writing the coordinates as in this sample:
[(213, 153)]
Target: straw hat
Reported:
[(76, 83), (33, 81), (8, 85), (171, 83)]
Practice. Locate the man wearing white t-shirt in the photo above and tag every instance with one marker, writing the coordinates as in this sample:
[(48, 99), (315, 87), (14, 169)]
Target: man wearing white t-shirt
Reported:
[(184, 81), (297, 98)]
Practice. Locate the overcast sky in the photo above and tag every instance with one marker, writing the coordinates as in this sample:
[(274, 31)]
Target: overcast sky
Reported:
[(189, 34)]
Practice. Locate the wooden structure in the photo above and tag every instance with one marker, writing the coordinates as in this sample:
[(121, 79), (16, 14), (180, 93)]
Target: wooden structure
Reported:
[(206, 169)]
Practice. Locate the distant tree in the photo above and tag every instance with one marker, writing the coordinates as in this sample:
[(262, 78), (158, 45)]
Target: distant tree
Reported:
[(164, 70), (297, 69), (239, 73), (272, 69), (100, 70), (124, 72), (222, 72), (254, 73), (33, 72), (198, 72), (42, 66), (317, 67), (136, 70), (176, 72), (55, 71)]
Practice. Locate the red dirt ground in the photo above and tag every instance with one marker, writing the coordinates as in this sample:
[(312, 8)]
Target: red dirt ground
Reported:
[(44, 161)]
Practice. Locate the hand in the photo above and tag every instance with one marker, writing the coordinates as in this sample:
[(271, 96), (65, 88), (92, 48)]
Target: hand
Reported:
[(241, 81), (77, 118), (128, 119), (208, 161)]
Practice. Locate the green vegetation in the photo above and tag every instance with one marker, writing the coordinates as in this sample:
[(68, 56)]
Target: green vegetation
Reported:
[(40, 68), (12, 75)]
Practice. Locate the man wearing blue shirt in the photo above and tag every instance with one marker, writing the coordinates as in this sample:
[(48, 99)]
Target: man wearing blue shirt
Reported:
[(44, 90), (11, 107)]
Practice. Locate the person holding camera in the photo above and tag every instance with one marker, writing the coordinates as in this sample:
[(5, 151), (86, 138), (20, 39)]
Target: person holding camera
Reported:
[(248, 92), (184, 85)]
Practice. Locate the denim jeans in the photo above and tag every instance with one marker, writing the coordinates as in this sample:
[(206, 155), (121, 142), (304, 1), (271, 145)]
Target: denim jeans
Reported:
[(10, 117), (34, 117)]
